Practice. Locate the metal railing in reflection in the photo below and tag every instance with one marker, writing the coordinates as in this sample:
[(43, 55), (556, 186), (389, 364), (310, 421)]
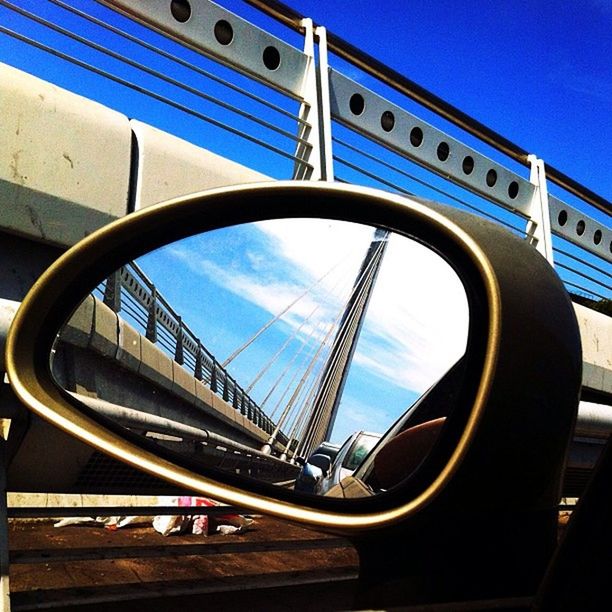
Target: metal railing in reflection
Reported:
[(130, 290)]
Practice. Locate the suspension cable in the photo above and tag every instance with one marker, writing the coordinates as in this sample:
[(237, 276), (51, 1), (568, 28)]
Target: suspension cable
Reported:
[(276, 355), (279, 315)]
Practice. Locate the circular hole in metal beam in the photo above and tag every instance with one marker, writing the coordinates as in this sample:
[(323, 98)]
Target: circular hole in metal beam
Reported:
[(271, 58), (513, 189), (580, 227), (597, 236), (181, 10), (562, 218), (491, 178), (387, 121), (468, 164), (416, 136), (357, 104), (443, 151), (224, 33)]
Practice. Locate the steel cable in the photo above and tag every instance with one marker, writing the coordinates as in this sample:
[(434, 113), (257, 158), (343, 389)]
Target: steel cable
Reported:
[(151, 94), (150, 71)]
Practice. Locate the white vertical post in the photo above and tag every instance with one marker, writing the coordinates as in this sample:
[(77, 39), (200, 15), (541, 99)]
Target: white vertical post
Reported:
[(309, 152), (538, 226), (325, 133), (5, 601)]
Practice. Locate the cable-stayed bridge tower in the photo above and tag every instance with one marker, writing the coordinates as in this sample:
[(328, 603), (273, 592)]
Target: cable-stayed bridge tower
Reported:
[(335, 373)]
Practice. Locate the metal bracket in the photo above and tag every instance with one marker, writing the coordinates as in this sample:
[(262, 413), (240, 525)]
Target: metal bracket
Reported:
[(325, 128), (538, 226), (218, 33), (308, 152), (315, 112), (380, 120)]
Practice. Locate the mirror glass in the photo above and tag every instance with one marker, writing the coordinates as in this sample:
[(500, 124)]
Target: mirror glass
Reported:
[(254, 348)]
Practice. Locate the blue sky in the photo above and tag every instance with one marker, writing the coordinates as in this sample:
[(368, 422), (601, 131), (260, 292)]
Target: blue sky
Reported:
[(538, 72), (239, 278)]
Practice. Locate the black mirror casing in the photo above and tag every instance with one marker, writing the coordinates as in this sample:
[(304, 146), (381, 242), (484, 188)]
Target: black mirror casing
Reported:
[(323, 462), (481, 510)]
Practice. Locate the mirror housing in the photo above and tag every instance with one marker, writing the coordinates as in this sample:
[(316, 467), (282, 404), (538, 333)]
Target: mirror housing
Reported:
[(492, 481)]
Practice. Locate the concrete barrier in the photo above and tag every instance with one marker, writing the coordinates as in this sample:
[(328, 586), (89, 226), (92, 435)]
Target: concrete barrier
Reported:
[(129, 351), (96, 327), (79, 328), (596, 337), (105, 331), (168, 167), (62, 157), (183, 383)]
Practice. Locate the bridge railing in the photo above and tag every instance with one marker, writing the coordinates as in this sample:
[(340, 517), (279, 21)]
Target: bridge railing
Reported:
[(246, 105), (279, 101), (360, 135), (376, 134), (374, 138), (131, 291)]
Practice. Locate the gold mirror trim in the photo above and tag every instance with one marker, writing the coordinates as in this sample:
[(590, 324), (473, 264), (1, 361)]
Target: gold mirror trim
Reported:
[(37, 390)]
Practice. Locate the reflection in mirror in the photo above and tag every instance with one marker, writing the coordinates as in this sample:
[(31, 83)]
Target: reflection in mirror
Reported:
[(254, 348)]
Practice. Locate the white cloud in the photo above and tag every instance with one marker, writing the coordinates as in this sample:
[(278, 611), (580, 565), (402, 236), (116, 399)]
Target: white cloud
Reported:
[(417, 318)]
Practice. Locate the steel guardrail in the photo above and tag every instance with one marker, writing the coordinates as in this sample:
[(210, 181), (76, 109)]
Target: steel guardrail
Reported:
[(156, 316), (387, 75), (380, 121)]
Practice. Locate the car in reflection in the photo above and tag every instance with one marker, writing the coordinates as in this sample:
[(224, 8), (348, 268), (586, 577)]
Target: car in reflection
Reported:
[(406, 445), (350, 456), (312, 469)]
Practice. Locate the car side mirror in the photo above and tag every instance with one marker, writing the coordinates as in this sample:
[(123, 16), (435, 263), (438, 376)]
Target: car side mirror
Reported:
[(323, 462), (509, 399)]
